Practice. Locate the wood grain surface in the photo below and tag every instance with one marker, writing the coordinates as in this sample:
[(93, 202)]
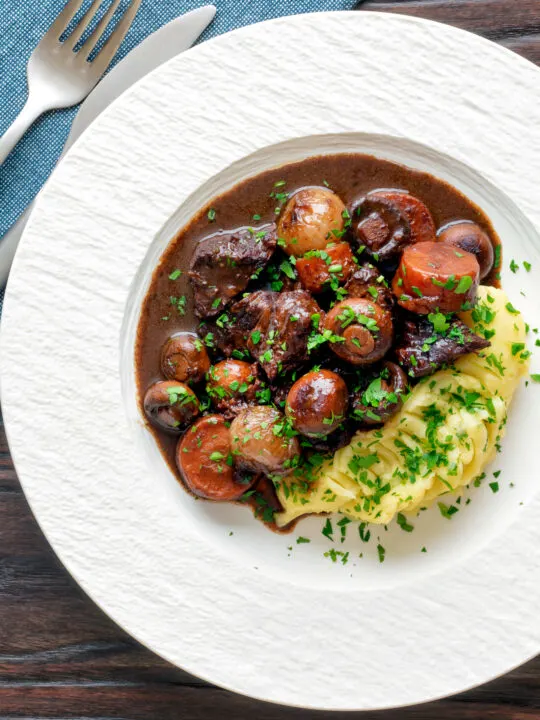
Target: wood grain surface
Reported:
[(61, 657)]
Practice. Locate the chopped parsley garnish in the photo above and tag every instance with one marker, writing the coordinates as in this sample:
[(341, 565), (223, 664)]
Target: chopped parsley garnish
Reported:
[(527, 266), (447, 510), (180, 303), (511, 309), (315, 339), (175, 274), (212, 215), (448, 285), (180, 395), (328, 530), (494, 487), (300, 540), (381, 553), (342, 524), (287, 269), (439, 322), (463, 285), (217, 456), (335, 554), (364, 533), (514, 267), (495, 362), (403, 524)]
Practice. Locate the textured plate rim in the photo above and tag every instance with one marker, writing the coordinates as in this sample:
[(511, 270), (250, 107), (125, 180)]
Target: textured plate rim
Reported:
[(11, 301)]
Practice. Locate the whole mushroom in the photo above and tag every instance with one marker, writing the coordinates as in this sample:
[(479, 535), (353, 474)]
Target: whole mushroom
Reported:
[(170, 405), (470, 237), (184, 358), (382, 398), (362, 330), (317, 403)]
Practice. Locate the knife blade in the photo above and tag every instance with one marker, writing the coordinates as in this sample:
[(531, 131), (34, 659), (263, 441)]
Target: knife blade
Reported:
[(162, 45)]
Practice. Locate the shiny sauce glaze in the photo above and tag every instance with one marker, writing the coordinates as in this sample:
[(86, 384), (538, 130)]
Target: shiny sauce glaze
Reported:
[(169, 306)]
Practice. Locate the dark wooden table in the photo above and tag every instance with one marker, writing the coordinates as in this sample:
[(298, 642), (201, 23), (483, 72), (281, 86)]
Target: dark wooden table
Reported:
[(61, 657)]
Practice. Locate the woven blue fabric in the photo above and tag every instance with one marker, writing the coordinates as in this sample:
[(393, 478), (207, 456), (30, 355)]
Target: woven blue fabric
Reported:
[(23, 23)]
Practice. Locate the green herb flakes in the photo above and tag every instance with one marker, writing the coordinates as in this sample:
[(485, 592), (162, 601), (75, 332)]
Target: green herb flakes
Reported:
[(328, 530), (403, 524)]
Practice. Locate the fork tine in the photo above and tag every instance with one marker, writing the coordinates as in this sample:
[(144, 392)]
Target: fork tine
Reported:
[(78, 32), (100, 28), (106, 54), (63, 20)]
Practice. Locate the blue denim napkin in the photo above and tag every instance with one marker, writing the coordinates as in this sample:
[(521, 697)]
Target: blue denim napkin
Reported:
[(22, 24)]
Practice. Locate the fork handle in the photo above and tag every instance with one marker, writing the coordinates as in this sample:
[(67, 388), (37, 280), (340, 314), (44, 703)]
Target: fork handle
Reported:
[(28, 115)]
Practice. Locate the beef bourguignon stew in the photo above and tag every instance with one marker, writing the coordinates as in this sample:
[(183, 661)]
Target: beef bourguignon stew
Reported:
[(300, 306)]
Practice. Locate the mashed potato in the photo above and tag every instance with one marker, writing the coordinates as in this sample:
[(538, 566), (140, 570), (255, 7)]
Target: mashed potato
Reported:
[(445, 434)]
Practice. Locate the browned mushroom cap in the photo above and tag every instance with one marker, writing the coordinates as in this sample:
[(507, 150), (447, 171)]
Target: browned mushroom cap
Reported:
[(232, 385), (170, 405), (383, 397), (184, 358), (317, 403), (470, 237), (421, 223), (261, 442), (204, 459), (380, 227), (312, 218), (362, 330)]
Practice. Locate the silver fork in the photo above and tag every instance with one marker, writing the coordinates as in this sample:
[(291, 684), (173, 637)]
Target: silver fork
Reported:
[(59, 77)]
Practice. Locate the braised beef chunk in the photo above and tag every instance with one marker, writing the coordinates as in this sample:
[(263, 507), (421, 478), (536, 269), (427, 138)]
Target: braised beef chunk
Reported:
[(425, 347), (230, 332), (275, 328), (223, 263), (367, 282), (218, 337)]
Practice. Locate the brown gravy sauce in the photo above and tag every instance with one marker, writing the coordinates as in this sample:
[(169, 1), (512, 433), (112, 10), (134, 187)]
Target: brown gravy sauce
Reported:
[(350, 175)]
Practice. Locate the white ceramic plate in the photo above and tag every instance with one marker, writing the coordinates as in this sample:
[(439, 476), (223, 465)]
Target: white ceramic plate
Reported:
[(243, 610)]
